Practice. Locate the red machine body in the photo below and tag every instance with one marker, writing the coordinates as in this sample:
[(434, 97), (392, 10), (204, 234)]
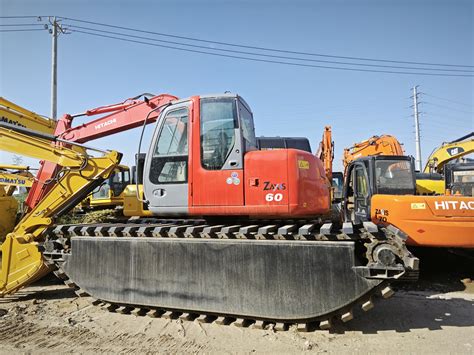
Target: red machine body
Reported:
[(274, 183)]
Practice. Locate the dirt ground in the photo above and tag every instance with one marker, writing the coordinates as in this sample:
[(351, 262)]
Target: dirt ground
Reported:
[(436, 315)]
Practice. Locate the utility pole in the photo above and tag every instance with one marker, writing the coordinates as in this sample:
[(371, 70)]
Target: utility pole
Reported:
[(55, 31), (54, 71), (417, 129)]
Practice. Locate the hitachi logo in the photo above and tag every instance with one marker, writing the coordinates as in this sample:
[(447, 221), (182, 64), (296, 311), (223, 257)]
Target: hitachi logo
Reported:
[(454, 205), (106, 123)]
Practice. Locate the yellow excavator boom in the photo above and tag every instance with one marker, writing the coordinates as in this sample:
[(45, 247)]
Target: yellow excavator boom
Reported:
[(21, 258), (19, 116), (449, 151)]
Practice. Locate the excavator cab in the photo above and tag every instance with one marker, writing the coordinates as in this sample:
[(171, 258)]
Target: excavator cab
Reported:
[(369, 176), (459, 178), (204, 160), (110, 193)]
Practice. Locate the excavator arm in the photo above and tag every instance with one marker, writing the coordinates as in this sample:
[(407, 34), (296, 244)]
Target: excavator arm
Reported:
[(449, 151), (21, 259), (326, 152), (120, 117), (376, 145)]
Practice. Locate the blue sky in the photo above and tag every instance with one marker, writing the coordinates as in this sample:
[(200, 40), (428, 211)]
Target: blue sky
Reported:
[(286, 100)]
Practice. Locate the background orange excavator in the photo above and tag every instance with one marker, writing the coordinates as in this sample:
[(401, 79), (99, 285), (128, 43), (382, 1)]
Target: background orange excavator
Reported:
[(379, 163), (376, 145)]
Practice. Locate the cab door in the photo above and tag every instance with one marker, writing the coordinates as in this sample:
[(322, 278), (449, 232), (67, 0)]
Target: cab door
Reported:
[(218, 175), (361, 193), (166, 167)]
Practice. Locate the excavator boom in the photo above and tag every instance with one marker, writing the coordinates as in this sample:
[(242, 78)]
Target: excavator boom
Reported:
[(376, 145), (326, 151), (16, 115), (448, 152), (123, 116)]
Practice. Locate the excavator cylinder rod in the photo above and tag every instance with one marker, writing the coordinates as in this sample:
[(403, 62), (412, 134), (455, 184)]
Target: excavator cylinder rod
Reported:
[(277, 280)]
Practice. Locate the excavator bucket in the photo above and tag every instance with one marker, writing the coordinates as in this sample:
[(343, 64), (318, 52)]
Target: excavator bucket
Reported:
[(21, 264)]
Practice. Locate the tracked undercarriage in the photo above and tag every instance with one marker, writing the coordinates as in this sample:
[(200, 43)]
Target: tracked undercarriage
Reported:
[(302, 273)]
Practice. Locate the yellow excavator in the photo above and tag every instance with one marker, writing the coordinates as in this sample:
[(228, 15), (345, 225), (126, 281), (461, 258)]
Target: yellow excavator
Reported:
[(441, 175), (111, 193)]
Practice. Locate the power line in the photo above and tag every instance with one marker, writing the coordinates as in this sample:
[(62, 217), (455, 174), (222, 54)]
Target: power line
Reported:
[(267, 60), (453, 101), (448, 107), (446, 115), (446, 118), (428, 123), (10, 17), (261, 54), (24, 30), (263, 48), (21, 24)]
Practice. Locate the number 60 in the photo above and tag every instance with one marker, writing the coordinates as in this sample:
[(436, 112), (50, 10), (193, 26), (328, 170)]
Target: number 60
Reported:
[(273, 197)]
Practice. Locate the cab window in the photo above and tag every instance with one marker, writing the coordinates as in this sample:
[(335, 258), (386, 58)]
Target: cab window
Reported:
[(218, 123), (361, 182), (170, 157), (248, 129), (394, 177)]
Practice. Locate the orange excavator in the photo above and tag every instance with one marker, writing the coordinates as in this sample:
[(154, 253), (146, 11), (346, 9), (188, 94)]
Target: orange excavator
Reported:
[(378, 163)]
